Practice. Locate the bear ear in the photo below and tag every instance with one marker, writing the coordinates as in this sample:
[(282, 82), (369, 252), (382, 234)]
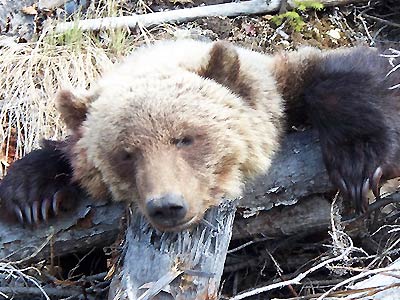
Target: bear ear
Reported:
[(73, 109), (223, 66)]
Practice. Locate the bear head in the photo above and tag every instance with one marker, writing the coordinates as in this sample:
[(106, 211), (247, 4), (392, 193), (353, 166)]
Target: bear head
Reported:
[(170, 139)]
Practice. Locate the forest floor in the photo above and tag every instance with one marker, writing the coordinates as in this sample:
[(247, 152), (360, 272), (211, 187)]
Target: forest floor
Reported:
[(35, 62)]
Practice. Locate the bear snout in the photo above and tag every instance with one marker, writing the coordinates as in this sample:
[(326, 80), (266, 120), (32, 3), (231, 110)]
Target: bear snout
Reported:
[(168, 210)]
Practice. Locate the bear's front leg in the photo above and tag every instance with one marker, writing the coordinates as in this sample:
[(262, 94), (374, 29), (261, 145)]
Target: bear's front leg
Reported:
[(38, 186), (357, 114)]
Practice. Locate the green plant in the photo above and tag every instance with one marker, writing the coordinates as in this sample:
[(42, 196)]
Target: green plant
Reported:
[(72, 37), (308, 4), (115, 41), (293, 17)]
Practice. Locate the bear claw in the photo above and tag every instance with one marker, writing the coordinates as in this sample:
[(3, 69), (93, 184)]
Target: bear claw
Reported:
[(358, 192), (28, 214), (56, 202), (364, 195), (19, 215), (45, 209), (343, 188), (35, 212), (375, 181), (38, 186)]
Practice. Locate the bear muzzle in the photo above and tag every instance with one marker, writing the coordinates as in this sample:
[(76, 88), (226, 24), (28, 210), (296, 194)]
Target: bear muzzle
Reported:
[(167, 212)]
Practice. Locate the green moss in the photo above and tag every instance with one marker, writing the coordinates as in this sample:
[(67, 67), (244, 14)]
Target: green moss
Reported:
[(293, 17)]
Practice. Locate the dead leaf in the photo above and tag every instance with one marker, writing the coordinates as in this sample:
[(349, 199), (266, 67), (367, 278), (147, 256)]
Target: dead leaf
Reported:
[(29, 10), (250, 29), (334, 34)]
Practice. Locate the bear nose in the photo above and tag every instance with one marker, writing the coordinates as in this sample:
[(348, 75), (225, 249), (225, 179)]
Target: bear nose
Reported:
[(167, 210)]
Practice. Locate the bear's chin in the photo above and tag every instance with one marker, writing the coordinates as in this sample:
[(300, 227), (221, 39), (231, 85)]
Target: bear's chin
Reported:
[(178, 226)]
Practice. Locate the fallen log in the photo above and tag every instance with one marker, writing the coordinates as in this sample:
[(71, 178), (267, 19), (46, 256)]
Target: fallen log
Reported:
[(297, 173), (311, 215), (252, 7), (187, 265), (88, 226)]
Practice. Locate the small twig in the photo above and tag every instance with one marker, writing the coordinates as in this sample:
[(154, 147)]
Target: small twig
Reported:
[(372, 42), (95, 277), (394, 198), (34, 291), (52, 255), (294, 281), (357, 277), (161, 283), (40, 248), (71, 272), (280, 273), (247, 244), (382, 20), (345, 293)]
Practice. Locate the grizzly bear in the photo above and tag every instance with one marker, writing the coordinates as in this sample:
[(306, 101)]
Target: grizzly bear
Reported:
[(179, 125)]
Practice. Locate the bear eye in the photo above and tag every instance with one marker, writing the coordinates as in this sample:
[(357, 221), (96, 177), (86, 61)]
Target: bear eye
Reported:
[(183, 142), (126, 156)]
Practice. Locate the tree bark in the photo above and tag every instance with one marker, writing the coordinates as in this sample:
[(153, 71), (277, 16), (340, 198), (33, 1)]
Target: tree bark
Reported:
[(88, 226)]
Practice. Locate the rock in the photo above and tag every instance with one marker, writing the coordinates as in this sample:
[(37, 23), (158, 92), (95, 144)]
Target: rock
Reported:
[(50, 4), (13, 21)]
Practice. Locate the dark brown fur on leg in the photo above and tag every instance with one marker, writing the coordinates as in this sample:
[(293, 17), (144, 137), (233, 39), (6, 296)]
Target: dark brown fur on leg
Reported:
[(358, 118), (38, 186)]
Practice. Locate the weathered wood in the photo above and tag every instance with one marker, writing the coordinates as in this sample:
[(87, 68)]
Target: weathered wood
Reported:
[(185, 265), (88, 226), (309, 215), (383, 285), (189, 265), (297, 172), (50, 4), (233, 9)]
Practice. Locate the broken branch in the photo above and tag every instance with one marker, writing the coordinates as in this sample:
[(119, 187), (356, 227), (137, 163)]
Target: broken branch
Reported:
[(252, 7)]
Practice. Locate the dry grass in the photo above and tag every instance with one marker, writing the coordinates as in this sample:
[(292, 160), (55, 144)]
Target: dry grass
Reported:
[(31, 74)]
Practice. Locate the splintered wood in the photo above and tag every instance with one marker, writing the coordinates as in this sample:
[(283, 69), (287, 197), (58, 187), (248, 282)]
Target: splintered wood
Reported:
[(185, 265)]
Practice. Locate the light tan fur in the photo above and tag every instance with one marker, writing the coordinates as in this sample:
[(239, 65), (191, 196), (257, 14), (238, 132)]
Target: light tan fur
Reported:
[(225, 98)]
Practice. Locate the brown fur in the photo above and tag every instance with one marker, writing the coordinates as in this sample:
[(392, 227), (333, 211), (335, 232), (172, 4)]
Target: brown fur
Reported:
[(224, 68), (226, 101), (72, 109), (294, 70), (125, 142), (178, 125)]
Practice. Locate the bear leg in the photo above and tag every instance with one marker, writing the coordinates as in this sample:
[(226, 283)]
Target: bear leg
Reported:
[(38, 186)]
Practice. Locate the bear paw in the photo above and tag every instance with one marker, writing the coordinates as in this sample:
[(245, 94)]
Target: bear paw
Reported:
[(37, 187)]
